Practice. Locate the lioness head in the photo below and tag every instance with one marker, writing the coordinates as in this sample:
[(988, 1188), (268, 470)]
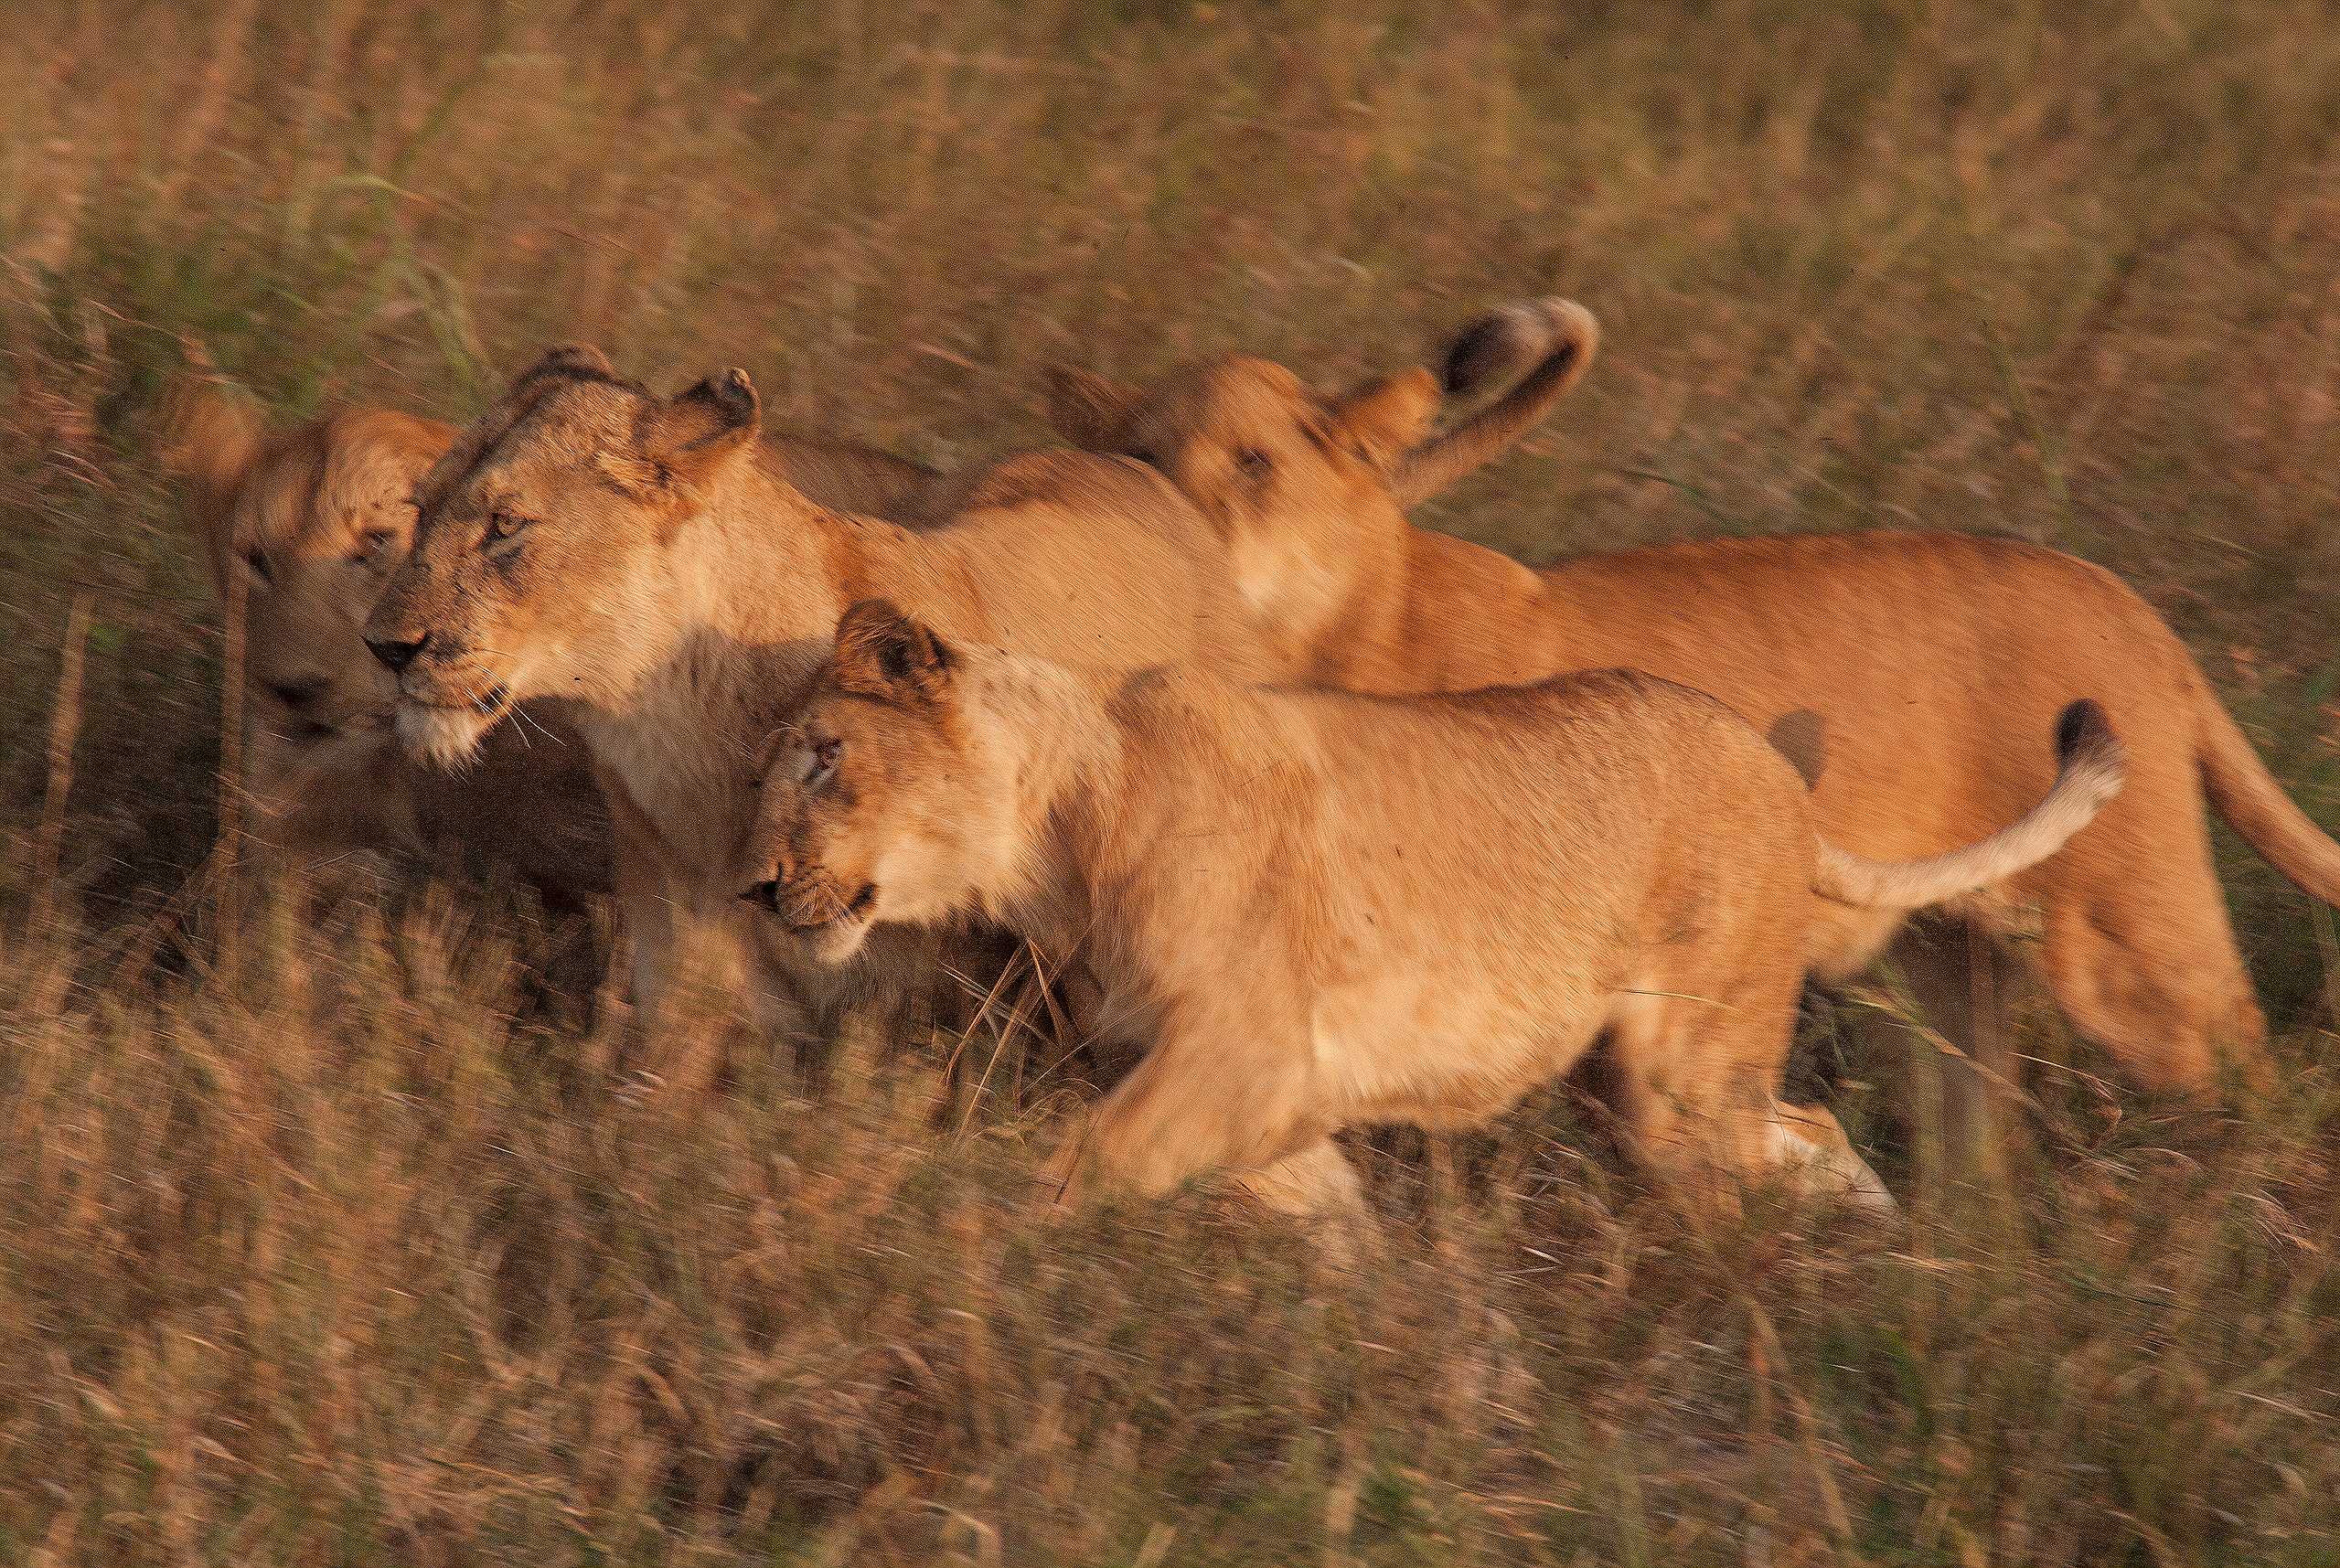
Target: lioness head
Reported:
[(541, 564), (1293, 484), (1308, 494), (314, 521), (886, 799)]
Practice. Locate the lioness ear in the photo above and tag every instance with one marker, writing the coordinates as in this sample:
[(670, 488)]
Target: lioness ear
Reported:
[(1092, 413), (569, 362), (215, 440), (1381, 420), (882, 653), (701, 427), (682, 444)]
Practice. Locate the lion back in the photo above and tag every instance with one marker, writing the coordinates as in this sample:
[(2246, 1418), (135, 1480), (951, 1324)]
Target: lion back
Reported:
[(1100, 562)]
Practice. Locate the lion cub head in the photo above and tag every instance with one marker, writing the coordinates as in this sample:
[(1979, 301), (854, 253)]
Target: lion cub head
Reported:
[(314, 521), (539, 566), (892, 795)]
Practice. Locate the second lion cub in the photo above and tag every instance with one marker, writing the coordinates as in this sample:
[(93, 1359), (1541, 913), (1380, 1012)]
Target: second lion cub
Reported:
[(1315, 909)]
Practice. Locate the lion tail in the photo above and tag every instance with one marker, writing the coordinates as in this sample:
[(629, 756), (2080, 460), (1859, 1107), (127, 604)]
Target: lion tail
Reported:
[(1553, 339), (2255, 805), (2090, 770)]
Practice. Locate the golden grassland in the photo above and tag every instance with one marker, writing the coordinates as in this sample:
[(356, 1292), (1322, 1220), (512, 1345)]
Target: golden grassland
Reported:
[(329, 1245)]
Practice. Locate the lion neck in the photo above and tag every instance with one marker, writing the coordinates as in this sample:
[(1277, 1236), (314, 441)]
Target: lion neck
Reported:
[(1053, 756), (753, 586), (1463, 616), (1354, 622)]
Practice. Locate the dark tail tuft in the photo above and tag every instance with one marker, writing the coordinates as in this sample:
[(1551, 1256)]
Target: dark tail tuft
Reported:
[(1486, 349), (2082, 726)]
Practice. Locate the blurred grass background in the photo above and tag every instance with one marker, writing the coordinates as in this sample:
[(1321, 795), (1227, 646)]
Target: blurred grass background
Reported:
[(357, 1262)]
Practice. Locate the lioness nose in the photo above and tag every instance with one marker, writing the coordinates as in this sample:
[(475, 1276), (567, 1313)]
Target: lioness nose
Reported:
[(764, 895), (395, 653), (297, 693)]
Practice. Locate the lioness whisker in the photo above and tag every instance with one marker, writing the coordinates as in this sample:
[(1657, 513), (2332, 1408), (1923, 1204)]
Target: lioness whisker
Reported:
[(522, 716), (1684, 996)]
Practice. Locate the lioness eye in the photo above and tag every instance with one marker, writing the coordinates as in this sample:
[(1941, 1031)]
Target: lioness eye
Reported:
[(1253, 462), (371, 545), (503, 525), (261, 566), (824, 759)]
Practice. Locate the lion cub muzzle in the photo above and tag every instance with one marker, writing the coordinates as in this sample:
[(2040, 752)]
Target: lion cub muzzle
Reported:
[(811, 901)]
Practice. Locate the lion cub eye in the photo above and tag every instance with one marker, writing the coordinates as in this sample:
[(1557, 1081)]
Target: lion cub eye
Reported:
[(1254, 463), (503, 524), (371, 547), (824, 760), (262, 567)]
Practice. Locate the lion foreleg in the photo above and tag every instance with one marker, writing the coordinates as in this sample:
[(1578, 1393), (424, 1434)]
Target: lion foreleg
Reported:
[(1195, 1104), (1318, 1181)]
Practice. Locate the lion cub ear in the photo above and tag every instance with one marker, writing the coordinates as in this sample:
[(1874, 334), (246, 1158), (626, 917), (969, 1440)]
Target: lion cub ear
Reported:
[(1092, 413), (373, 460), (882, 653), (1382, 420)]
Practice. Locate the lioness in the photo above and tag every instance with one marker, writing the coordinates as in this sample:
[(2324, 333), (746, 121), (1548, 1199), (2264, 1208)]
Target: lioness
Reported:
[(315, 519), (1925, 652), (1318, 908), (635, 556)]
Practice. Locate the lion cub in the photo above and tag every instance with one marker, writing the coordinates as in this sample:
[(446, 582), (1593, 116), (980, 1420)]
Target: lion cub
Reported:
[(1316, 908)]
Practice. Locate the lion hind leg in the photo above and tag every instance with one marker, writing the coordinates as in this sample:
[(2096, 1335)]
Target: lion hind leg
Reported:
[(1699, 1076), (1679, 1067), (1807, 1145), (1321, 1184), (1945, 1073), (1741, 1133), (2158, 984)]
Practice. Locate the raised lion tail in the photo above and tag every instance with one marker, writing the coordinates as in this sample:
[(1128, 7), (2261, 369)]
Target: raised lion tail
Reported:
[(2255, 805), (1553, 339), (2090, 770)]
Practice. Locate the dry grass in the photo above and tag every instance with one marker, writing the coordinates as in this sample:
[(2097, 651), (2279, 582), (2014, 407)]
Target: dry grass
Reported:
[(353, 1259), (349, 1267)]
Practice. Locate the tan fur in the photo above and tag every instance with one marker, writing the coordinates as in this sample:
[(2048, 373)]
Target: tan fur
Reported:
[(679, 592), (1316, 908), (1933, 657), (316, 519)]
